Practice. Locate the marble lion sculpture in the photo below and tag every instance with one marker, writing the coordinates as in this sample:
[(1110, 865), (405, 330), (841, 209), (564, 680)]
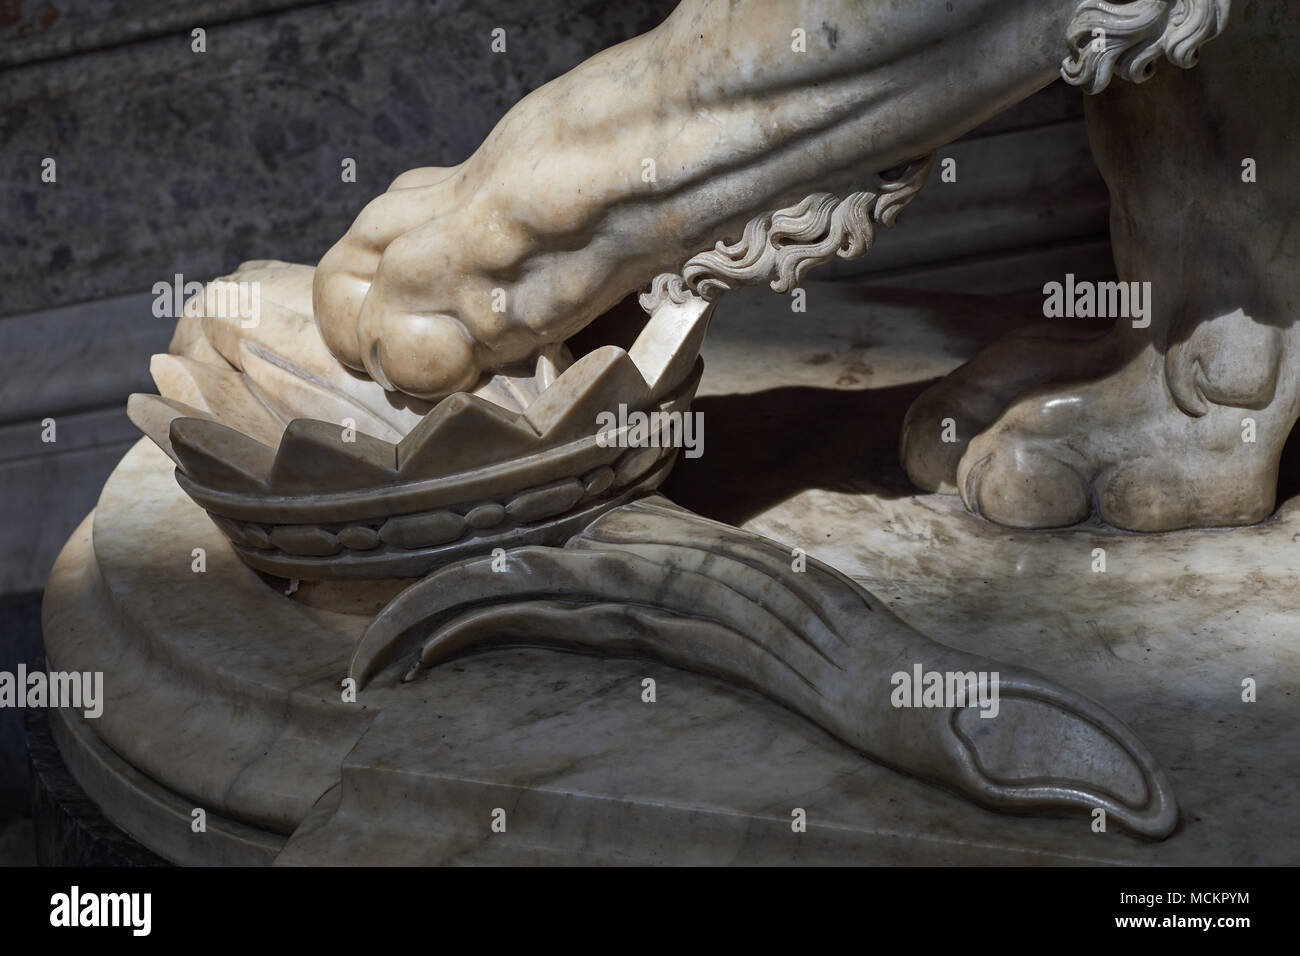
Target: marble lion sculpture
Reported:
[(1142, 426), (434, 331)]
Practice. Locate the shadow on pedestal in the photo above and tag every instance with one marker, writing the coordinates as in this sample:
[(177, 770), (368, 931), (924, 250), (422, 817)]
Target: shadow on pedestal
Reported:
[(70, 829)]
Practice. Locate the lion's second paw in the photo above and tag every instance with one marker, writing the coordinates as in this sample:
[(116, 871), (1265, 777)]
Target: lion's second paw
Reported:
[(1119, 448)]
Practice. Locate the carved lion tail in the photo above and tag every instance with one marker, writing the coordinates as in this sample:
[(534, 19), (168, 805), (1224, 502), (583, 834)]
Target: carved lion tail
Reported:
[(652, 580)]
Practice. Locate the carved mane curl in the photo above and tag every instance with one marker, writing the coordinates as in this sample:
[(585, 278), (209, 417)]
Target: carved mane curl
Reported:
[(1134, 35), (782, 246)]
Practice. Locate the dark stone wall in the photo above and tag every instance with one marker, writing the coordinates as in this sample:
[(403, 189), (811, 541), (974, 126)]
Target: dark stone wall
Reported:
[(20, 642), (173, 161)]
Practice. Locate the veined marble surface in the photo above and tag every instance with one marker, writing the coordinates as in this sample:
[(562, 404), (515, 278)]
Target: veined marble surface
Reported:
[(232, 702)]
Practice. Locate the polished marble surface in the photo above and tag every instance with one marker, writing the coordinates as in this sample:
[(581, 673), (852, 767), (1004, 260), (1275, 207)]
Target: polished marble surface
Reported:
[(233, 704)]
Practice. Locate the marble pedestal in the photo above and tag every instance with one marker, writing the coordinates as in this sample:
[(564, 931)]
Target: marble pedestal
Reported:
[(222, 694), (71, 828)]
